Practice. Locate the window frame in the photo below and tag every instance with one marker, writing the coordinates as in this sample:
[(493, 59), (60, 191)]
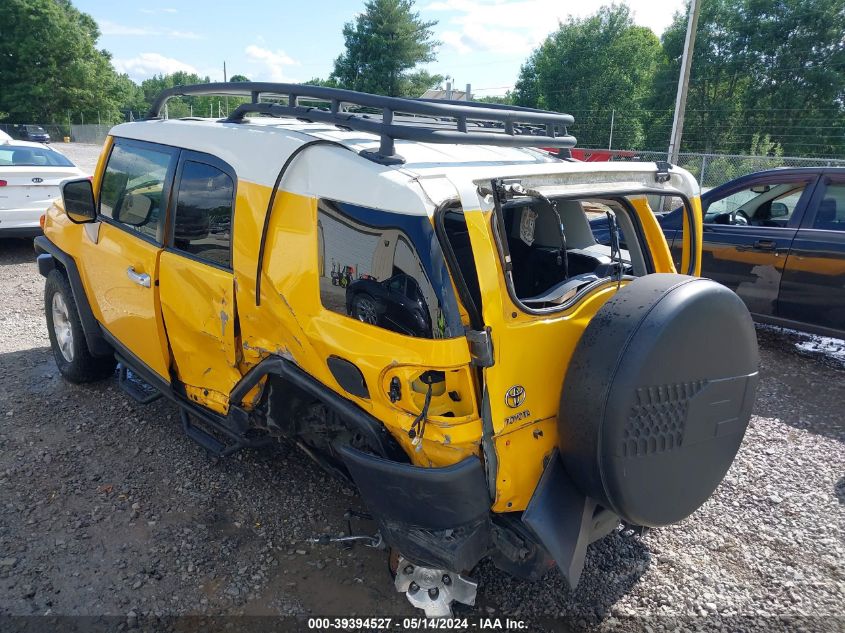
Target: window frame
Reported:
[(498, 231), (166, 190), (185, 156), (341, 215), (825, 179), (798, 214)]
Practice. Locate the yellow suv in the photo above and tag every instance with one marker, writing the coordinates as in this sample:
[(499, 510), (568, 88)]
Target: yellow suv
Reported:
[(411, 292)]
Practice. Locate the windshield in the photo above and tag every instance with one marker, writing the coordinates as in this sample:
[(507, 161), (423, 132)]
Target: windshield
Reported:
[(22, 156), (34, 129)]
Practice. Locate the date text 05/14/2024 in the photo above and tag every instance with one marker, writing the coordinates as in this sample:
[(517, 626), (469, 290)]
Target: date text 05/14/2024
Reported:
[(413, 624)]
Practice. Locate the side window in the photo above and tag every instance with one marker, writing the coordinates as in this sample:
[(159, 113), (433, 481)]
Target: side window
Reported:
[(758, 205), (133, 186), (203, 219), (371, 261), (830, 215)]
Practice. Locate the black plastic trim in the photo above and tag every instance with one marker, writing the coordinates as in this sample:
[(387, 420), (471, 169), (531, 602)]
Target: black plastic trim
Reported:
[(97, 345), (348, 376), (429, 498)]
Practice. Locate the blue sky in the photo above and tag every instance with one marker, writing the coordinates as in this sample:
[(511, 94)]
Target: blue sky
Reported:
[(484, 42)]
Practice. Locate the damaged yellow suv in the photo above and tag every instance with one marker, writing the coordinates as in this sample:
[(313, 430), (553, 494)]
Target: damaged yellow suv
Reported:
[(412, 293)]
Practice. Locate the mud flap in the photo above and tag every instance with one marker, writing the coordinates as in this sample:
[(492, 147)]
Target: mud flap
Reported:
[(565, 520)]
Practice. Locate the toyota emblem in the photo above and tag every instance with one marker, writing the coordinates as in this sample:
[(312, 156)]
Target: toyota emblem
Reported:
[(37, 180), (515, 396)]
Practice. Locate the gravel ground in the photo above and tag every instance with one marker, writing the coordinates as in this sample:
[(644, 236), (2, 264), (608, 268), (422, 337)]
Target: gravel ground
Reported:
[(108, 509)]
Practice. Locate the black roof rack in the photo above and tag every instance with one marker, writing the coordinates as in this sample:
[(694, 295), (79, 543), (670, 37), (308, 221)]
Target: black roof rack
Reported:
[(458, 122)]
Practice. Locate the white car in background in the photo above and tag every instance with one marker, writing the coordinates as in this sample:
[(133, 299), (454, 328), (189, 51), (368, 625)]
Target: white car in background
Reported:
[(30, 176)]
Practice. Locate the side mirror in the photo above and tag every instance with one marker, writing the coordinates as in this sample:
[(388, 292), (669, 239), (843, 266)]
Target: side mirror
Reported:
[(78, 197), (779, 210), (726, 217)]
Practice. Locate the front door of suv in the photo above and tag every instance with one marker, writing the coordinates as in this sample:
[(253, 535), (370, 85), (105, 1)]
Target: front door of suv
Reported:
[(120, 267)]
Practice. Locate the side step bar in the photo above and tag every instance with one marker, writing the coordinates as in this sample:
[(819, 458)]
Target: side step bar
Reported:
[(134, 386), (218, 435), (216, 438)]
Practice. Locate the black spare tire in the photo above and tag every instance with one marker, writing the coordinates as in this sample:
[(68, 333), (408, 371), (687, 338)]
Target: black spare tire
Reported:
[(658, 396)]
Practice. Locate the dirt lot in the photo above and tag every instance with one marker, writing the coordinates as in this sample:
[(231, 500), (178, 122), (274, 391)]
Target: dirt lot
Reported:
[(108, 509)]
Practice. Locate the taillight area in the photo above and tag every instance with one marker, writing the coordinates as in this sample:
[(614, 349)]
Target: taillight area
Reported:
[(3, 183), (42, 220)]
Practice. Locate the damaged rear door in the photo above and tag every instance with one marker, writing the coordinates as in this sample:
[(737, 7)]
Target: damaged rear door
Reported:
[(197, 281)]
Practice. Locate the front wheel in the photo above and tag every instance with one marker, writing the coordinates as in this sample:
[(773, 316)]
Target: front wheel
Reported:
[(67, 338), (364, 309)]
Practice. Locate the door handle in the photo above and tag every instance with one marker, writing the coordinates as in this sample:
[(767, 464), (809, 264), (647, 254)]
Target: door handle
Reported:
[(765, 245), (142, 279)]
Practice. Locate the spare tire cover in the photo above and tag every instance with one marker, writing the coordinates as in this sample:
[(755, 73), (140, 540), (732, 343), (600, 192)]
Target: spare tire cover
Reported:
[(657, 397)]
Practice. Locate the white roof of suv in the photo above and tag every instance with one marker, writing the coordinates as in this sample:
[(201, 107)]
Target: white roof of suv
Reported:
[(258, 147)]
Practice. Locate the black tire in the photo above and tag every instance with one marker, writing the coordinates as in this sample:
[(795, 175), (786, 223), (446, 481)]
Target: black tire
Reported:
[(364, 308), (67, 338)]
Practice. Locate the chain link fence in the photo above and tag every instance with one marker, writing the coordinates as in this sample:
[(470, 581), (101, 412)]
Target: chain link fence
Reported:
[(89, 133), (57, 132), (712, 170)]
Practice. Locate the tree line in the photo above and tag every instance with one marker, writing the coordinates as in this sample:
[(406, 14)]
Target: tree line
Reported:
[(766, 76)]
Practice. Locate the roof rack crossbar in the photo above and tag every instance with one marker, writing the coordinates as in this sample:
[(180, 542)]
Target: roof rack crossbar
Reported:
[(492, 124)]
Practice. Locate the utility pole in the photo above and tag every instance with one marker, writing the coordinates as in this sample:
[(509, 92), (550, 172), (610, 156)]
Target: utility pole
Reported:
[(225, 79), (683, 83), (612, 118)]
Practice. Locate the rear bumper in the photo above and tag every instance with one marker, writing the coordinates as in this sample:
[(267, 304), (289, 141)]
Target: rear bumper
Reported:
[(20, 231), (437, 517), (25, 222)]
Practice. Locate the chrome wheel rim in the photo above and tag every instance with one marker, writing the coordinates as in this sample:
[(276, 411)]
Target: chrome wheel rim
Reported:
[(366, 311), (61, 327)]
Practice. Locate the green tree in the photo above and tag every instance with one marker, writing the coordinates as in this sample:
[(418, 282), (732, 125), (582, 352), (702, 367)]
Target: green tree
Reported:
[(182, 106), (759, 68), (49, 64), (383, 46), (590, 67)]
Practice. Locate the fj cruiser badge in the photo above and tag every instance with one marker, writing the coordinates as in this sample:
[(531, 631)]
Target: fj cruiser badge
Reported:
[(515, 396)]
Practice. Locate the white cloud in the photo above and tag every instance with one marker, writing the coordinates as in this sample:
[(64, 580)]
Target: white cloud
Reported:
[(518, 26), (272, 64), (146, 65), (107, 27)]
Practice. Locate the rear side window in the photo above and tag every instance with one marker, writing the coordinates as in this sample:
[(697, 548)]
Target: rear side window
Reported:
[(203, 223), (830, 215), (133, 189), (385, 269)]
